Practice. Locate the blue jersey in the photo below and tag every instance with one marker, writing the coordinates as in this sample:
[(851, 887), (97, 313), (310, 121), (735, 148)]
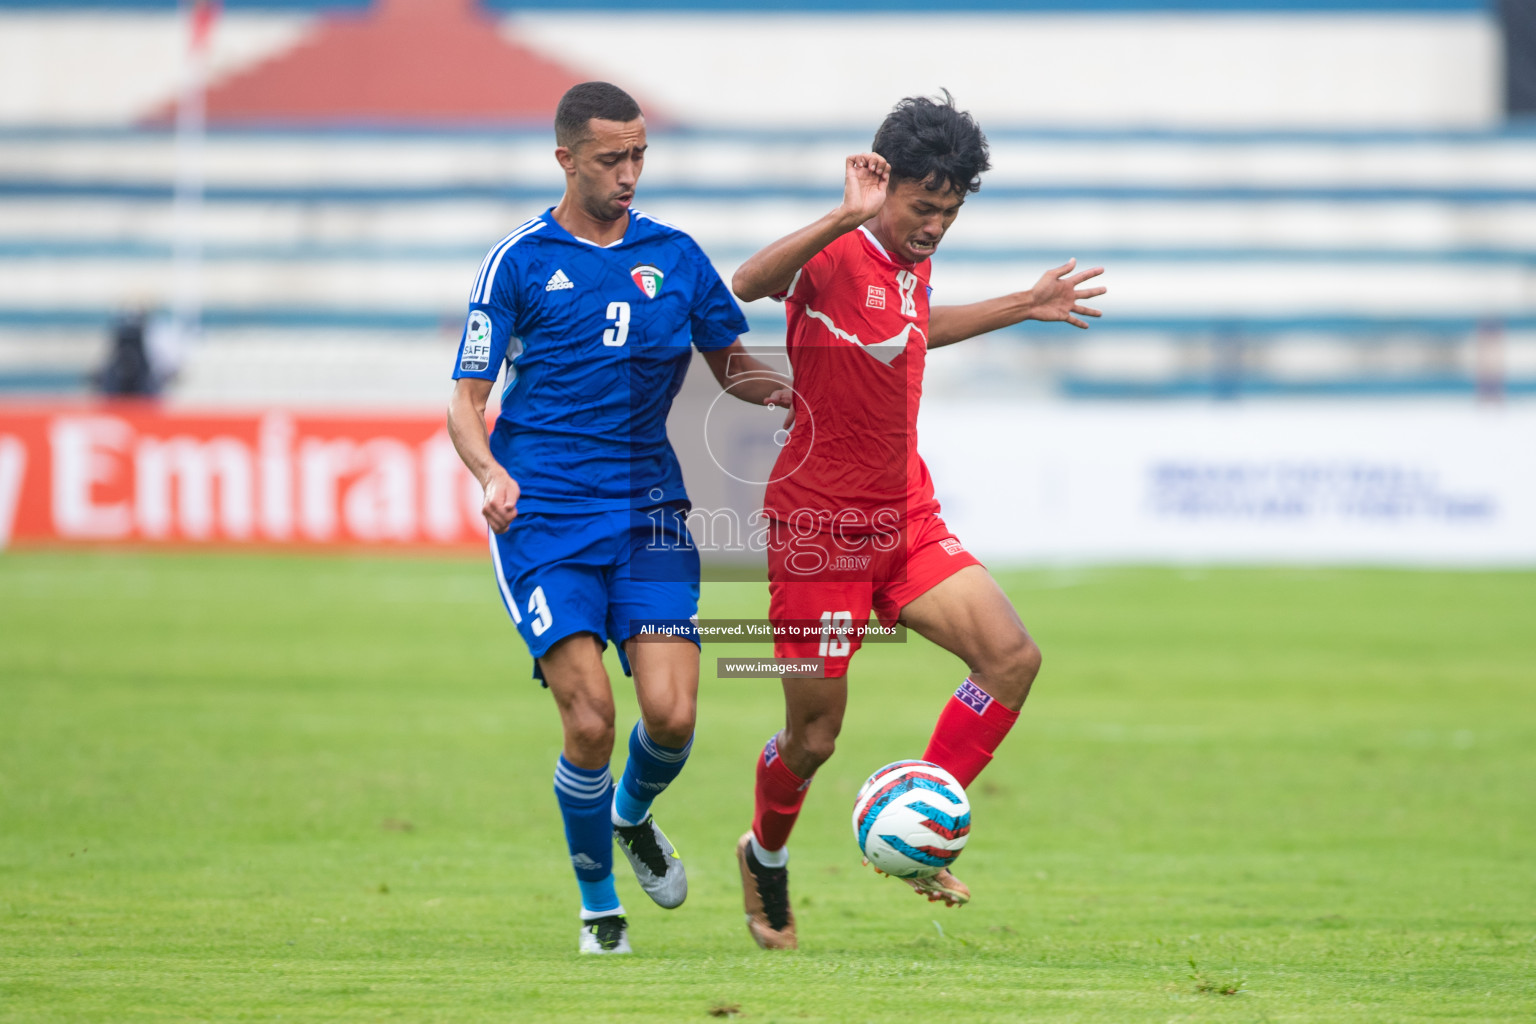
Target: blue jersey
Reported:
[(596, 341)]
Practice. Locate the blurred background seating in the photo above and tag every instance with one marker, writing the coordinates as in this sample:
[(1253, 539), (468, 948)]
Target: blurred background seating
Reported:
[(1294, 199)]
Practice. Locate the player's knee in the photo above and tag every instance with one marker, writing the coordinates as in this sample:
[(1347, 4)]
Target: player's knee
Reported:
[(1010, 671), (810, 746), (1025, 662), (820, 746), (591, 736), (1021, 666), (673, 727)]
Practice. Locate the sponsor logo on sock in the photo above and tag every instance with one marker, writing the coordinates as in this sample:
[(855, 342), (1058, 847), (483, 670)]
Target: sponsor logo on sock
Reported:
[(973, 697), (653, 787), (558, 282), (771, 751), (584, 863)]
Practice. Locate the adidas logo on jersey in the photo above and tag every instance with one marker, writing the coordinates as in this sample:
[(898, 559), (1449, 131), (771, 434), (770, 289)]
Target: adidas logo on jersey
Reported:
[(558, 281)]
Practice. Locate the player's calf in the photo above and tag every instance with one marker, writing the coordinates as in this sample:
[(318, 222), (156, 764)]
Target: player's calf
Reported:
[(585, 795), (983, 710), (778, 794), (972, 725), (651, 767), (573, 670), (813, 718)]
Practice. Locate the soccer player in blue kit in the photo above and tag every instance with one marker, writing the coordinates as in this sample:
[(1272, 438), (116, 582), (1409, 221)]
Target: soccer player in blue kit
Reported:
[(595, 308)]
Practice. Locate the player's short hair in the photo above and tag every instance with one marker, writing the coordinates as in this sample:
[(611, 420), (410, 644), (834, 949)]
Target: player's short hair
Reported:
[(581, 103), (933, 143)]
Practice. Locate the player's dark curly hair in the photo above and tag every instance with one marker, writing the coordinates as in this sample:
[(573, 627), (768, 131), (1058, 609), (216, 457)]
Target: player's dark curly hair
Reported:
[(933, 143), (581, 103)]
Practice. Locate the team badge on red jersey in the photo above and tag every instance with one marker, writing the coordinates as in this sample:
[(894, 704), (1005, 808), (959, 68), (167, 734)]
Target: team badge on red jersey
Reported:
[(647, 278)]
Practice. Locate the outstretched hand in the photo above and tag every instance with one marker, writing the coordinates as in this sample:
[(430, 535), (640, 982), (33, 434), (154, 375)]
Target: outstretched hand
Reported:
[(865, 180), (1056, 296)]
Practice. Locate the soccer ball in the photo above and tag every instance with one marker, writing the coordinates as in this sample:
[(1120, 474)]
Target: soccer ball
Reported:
[(911, 819)]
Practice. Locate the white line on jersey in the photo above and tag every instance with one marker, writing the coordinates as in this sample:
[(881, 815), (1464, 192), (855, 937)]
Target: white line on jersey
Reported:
[(655, 220), (491, 254), (886, 351), (488, 277)]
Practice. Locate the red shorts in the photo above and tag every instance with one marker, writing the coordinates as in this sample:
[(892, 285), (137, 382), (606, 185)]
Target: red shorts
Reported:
[(823, 578)]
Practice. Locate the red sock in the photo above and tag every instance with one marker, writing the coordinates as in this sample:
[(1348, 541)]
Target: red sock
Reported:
[(970, 728), (780, 792)]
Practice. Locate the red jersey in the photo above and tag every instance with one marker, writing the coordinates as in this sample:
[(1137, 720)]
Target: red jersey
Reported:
[(858, 341)]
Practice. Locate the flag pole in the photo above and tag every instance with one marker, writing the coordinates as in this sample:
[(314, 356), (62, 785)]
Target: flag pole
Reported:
[(187, 205)]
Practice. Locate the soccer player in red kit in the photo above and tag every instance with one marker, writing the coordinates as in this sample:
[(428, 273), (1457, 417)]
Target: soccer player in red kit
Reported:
[(854, 525)]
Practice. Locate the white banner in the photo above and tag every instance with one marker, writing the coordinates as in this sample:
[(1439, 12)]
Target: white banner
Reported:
[(1376, 483)]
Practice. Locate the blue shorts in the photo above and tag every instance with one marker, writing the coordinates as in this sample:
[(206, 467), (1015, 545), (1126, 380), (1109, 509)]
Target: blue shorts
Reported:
[(612, 574)]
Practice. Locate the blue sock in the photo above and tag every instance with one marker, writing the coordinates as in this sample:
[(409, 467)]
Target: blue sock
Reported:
[(651, 768), (585, 796)]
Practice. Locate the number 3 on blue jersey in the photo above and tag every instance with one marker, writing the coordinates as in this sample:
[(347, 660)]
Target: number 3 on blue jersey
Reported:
[(615, 336), (538, 607), (558, 316)]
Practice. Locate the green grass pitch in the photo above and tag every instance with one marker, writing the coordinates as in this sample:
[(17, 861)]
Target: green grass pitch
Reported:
[(260, 788)]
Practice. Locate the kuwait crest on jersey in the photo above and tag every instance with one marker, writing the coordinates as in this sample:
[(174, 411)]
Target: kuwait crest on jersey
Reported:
[(647, 278)]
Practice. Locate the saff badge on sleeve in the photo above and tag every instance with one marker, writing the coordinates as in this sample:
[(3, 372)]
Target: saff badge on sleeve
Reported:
[(476, 357)]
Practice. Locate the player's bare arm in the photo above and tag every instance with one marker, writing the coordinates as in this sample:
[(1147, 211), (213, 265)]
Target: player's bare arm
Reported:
[(1058, 295), (742, 374), (769, 271), (466, 426)]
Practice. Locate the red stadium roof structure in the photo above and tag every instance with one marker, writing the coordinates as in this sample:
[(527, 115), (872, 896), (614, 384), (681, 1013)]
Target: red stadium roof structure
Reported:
[(411, 62)]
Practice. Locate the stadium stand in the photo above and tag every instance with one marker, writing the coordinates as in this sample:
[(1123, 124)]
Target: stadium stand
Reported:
[(1267, 259)]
